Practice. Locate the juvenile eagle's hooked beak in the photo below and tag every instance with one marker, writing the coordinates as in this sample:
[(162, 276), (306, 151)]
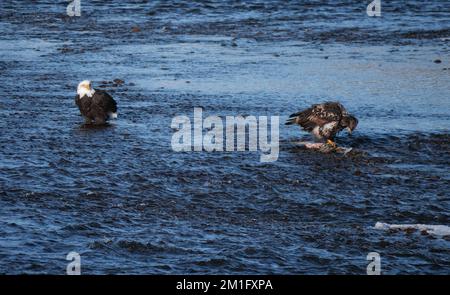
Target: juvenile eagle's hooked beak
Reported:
[(349, 130)]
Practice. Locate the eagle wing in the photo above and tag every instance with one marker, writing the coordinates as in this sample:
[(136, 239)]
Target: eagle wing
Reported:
[(77, 101), (84, 104), (326, 116), (103, 102), (100, 105)]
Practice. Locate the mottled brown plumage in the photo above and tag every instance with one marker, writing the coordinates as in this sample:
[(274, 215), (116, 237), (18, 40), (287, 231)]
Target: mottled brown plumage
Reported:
[(324, 120)]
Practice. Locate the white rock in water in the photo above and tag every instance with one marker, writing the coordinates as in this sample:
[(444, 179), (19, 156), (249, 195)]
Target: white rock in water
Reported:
[(437, 230)]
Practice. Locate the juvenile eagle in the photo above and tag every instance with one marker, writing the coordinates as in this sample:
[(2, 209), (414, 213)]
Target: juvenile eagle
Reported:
[(324, 120), (95, 105)]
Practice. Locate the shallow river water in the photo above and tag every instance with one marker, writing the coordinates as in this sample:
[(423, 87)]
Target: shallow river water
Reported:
[(123, 199)]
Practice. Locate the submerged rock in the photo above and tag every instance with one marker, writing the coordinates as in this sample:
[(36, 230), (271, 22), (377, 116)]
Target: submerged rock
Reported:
[(118, 81)]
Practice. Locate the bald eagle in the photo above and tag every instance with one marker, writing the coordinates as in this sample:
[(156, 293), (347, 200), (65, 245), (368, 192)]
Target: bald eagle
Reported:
[(95, 105), (324, 120)]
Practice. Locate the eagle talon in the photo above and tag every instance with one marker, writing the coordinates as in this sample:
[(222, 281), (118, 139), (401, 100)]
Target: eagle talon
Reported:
[(331, 143)]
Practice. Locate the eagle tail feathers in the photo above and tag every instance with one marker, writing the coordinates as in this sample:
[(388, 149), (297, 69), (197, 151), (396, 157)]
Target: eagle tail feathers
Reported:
[(112, 115), (291, 121), (299, 118)]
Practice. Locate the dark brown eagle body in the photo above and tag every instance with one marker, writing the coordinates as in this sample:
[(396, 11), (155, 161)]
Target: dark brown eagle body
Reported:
[(324, 120), (98, 108)]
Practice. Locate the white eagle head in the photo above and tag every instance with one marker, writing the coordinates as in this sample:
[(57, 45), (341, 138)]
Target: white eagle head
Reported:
[(85, 88)]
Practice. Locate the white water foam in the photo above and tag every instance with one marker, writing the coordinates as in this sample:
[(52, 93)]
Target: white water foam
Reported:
[(437, 230)]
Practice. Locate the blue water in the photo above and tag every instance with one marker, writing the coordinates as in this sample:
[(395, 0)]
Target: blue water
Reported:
[(127, 203)]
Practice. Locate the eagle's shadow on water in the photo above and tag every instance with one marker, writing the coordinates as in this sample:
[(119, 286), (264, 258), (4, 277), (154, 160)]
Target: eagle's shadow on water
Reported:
[(94, 127)]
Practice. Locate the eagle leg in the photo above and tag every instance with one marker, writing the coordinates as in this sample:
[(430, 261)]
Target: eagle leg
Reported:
[(331, 143)]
